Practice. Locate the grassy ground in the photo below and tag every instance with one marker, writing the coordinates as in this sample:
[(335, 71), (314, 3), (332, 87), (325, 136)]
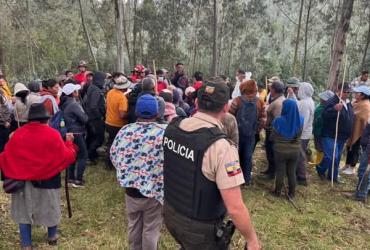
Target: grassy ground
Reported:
[(328, 220)]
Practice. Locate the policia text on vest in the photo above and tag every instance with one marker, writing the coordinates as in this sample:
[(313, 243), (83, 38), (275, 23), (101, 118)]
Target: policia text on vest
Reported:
[(178, 149)]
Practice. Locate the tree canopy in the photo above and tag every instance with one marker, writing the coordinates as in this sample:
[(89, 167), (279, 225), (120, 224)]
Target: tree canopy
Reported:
[(41, 39)]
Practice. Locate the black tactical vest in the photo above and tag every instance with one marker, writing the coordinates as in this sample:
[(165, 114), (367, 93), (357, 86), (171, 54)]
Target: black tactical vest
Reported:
[(186, 189)]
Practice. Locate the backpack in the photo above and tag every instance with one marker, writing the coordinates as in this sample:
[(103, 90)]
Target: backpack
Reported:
[(57, 120), (246, 117)]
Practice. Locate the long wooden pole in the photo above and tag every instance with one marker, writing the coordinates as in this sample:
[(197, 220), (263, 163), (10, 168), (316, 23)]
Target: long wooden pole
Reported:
[(337, 124)]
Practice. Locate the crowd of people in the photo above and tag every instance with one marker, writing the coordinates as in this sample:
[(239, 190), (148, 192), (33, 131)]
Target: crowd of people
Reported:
[(181, 147)]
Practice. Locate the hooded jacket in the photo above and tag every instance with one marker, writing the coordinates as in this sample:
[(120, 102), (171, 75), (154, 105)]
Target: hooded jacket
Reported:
[(93, 100), (21, 109), (74, 116), (306, 107)]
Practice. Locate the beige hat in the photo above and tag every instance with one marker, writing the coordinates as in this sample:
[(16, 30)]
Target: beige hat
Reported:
[(273, 79)]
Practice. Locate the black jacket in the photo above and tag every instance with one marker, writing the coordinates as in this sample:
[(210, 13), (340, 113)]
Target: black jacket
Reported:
[(93, 100), (74, 116), (329, 116)]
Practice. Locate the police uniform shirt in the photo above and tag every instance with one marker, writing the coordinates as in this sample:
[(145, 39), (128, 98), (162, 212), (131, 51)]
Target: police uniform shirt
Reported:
[(221, 160)]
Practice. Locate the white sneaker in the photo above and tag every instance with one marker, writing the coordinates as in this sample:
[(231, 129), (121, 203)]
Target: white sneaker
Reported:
[(349, 171)]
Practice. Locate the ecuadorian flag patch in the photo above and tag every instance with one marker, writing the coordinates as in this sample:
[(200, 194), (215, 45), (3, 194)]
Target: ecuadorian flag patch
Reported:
[(233, 168)]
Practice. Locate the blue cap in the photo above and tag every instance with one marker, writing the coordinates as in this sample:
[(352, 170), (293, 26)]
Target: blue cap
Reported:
[(146, 107), (362, 89)]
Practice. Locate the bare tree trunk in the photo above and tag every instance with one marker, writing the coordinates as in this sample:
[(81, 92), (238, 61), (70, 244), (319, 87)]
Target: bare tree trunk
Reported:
[(134, 31), (297, 39), (219, 56), (366, 47), (87, 36), (29, 39), (1, 45), (229, 58), (195, 45), (215, 37), (126, 38), (336, 21), (340, 42), (119, 8), (306, 41)]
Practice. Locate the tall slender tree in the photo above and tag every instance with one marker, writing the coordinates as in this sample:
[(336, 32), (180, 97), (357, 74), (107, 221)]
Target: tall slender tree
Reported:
[(215, 38), (295, 59), (119, 7), (88, 40), (340, 43)]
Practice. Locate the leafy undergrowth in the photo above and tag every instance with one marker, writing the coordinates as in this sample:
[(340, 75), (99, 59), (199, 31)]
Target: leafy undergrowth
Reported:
[(325, 218)]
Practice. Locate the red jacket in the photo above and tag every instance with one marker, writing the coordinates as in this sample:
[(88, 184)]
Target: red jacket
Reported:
[(80, 78), (161, 86), (36, 152), (197, 85)]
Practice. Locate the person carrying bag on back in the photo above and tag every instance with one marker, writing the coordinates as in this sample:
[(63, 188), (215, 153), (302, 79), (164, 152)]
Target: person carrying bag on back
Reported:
[(250, 115)]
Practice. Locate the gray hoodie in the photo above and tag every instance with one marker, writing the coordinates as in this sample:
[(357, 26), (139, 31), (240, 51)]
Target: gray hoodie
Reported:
[(306, 108)]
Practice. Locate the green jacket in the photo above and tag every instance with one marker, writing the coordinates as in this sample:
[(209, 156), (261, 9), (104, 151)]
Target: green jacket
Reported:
[(318, 121)]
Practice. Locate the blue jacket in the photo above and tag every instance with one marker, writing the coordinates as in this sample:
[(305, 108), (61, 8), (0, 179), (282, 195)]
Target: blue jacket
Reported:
[(329, 116)]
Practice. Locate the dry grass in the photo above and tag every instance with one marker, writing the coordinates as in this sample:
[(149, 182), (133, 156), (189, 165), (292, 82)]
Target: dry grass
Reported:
[(328, 219)]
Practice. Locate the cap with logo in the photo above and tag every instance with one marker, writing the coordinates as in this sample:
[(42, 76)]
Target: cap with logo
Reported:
[(214, 90)]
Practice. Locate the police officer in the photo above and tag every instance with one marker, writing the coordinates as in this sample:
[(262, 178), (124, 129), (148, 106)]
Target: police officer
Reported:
[(202, 176)]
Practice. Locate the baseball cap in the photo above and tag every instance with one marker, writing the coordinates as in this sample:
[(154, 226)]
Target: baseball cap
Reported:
[(146, 107), (214, 90), (326, 95), (69, 88), (293, 82), (362, 89)]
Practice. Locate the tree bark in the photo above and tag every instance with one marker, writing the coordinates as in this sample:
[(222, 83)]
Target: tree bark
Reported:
[(119, 7), (87, 36), (304, 75), (295, 59), (340, 43), (134, 31), (195, 44), (33, 72), (215, 37), (2, 45), (366, 47)]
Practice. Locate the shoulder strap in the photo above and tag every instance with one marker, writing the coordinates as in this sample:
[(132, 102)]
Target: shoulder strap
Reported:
[(53, 101)]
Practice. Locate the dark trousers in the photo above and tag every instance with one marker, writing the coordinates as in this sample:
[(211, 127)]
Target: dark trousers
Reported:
[(353, 153), (4, 136), (269, 148), (246, 145), (112, 132), (257, 138), (81, 159), (94, 137), (190, 234), (302, 161), (286, 163)]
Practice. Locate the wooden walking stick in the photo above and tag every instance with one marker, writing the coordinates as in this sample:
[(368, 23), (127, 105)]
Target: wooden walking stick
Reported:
[(337, 124), (67, 194)]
